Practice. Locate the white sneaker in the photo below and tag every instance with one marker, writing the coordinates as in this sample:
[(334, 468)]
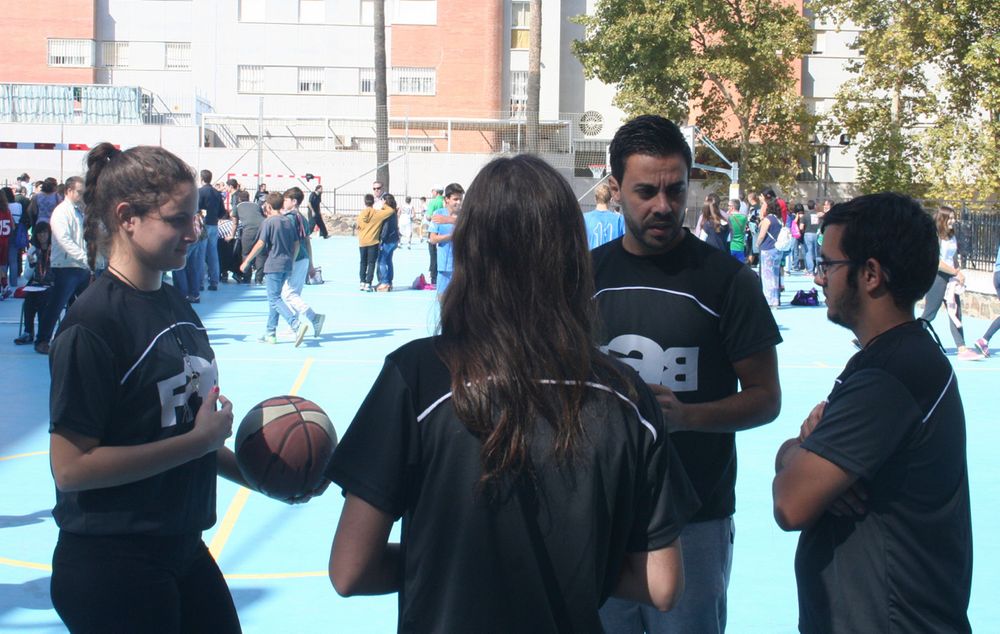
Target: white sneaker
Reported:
[(300, 333), (318, 321)]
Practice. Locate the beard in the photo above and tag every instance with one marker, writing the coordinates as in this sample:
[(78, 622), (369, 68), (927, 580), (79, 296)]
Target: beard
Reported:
[(658, 234), (844, 310)]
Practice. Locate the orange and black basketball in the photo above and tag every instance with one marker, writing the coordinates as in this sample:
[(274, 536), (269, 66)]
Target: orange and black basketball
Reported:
[(283, 446)]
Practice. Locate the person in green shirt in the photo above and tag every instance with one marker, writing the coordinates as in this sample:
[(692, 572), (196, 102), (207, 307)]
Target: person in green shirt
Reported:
[(434, 205), (737, 231)]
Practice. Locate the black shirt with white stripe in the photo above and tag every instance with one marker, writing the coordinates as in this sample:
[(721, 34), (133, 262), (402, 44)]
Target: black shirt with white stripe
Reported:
[(681, 319), (469, 561), (895, 419), (119, 375)]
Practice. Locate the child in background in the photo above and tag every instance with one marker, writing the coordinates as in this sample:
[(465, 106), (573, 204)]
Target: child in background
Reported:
[(36, 292)]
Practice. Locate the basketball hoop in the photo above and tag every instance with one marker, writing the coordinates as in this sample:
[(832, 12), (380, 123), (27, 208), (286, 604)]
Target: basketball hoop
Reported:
[(597, 171)]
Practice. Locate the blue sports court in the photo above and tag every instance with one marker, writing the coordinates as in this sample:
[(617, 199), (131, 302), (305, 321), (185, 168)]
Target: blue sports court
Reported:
[(275, 555)]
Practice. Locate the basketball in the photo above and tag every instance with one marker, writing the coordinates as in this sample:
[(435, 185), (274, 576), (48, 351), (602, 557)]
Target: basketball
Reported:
[(283, 445)]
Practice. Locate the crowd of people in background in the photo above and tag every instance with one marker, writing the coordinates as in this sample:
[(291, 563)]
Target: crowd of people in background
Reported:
[(41, 239)]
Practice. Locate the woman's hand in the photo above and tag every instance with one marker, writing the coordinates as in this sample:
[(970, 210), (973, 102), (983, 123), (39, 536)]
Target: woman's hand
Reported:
[(214, 426)]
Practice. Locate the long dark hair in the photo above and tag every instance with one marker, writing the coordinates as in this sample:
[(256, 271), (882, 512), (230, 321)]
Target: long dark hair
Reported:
[(518, 311), (144, 176)]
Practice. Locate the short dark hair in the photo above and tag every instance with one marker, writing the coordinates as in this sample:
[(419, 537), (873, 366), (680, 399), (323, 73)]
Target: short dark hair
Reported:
[(275, 200), (453, 188), (295, 194), (49, 185), (73, 181), (896, 231), (232, 182), (648, 134), (243, 196), (206, 176), (369, 200), (769, 194)]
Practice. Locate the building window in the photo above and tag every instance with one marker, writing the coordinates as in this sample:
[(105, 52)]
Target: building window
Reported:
[(71, 53), (114, 55), (520, 13), (312, 11), (178, 56), (819, 43), (368, 12), (310, 79), (366, 81), (252, 11), (413, 81), (518, 94), (250, 78)]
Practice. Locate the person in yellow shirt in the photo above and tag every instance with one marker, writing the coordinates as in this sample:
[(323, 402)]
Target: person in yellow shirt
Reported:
[(369, 225)]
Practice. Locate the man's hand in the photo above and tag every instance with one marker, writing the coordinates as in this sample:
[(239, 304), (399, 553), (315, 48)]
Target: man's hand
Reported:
[(673, 410), (851, 503), (443, 219), (809, 424)]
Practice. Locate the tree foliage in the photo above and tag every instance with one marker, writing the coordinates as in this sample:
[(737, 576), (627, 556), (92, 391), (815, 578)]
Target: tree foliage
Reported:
[(726, 62), (925, 99)]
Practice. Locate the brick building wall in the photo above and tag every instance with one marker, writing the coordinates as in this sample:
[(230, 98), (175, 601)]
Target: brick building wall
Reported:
[(24, 46), (465, 47)]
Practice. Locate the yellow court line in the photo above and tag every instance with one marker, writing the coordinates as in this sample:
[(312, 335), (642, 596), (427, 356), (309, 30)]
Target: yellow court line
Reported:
[(24, 455), (243, 494), (25, 564)]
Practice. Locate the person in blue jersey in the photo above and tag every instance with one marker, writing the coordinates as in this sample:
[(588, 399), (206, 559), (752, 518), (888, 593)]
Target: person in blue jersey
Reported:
[(603, 224), (439, 233), (533, 473), (877, 480), (137, 423)]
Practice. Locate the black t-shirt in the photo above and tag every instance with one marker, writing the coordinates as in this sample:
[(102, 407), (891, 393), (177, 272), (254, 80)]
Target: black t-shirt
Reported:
[(250, 217), (210, 200), (895, 419), (681, 319), (469, 564), (119, 375)]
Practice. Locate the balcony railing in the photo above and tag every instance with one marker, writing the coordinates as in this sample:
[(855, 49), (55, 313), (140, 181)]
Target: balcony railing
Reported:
[(85, 103)]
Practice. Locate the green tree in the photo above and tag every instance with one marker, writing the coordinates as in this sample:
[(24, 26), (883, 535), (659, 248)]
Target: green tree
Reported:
[(724, 65), (924, 102)]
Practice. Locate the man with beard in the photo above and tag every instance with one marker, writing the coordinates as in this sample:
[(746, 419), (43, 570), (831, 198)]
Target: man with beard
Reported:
[(877, 480), (693, 322)]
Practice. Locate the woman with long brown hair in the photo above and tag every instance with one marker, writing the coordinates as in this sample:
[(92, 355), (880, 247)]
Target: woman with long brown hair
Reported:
[(136, 440), (948, 271), (533, 474)]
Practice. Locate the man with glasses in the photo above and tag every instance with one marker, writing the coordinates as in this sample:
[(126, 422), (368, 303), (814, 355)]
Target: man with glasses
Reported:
[(877, 479), (379, 193), (70, 268)]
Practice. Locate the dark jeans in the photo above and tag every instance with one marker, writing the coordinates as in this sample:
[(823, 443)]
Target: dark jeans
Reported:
[(933, 302), (385, 262), (34, 304), (68, 282), (434, 261), (369, 256), (139, 583)]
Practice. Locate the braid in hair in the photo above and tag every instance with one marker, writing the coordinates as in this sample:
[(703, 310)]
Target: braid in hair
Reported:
[(96, 227)]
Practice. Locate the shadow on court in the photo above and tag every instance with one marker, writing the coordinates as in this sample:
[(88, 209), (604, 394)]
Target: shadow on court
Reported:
[(13, 521)]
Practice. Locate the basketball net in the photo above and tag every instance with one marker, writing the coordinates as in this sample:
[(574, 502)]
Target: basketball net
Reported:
[(597, 171)]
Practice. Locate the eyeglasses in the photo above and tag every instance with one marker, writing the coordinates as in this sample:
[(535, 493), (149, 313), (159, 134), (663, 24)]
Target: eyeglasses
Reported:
[(823, 266), (376, 189)]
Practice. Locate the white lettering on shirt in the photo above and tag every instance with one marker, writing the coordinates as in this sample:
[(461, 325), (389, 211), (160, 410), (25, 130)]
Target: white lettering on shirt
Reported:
[(675, 368)]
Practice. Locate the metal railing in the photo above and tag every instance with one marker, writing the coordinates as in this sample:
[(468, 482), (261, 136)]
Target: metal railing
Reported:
[(977, 230), (89, 103)]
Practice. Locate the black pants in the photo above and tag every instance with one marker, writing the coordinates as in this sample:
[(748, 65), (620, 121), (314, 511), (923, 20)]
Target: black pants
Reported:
[(34, 304), (248, 238), (139, 583), (933, 302), (320, 224), (434, 262), (369, 257)]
